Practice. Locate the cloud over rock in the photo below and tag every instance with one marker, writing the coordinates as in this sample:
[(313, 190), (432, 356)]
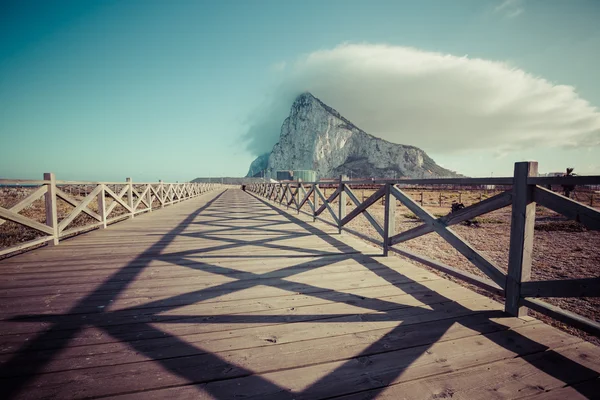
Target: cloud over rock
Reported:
[(439, 102)]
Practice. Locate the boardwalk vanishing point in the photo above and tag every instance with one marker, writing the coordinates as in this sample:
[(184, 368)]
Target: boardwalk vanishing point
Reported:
[(228, 296)]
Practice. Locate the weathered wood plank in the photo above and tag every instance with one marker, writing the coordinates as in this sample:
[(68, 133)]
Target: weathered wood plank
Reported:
[(488, 205), (117, 199), (326, 203), (572, 319), (241, 297), (25, 245), (75, 203), (80, 207), (26, 202), (362, 208), (19, 219), (481, 262), (521, 237), (588, 216), (585, 287)]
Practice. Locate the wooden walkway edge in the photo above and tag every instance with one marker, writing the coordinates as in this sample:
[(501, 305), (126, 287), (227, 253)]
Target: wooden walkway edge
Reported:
[(226, 296)]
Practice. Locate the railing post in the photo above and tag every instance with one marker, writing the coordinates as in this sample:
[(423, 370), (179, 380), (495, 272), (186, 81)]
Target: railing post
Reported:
[(389, 227), (161, 193), (341, 204), (51, 212), (149, 197), (521, 236), (130, 196), (102, 207), (298, 196), (315, 201)]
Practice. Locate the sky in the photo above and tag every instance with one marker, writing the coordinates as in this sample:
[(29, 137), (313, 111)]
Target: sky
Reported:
[(103, 90)]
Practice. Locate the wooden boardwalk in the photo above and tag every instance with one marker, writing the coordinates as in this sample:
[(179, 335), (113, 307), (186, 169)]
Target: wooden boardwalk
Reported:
[(225, 296)]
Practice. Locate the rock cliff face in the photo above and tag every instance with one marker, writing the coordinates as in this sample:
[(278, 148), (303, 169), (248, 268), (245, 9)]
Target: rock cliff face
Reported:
[(316, 137)]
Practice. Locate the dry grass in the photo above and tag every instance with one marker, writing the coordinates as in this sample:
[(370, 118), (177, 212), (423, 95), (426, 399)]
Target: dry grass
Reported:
[(562, 249)]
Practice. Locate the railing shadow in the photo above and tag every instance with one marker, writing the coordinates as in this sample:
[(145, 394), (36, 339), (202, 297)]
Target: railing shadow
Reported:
[(212, 373)]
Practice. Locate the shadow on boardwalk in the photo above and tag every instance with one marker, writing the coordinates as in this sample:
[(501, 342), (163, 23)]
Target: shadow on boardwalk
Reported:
[(213, 374)]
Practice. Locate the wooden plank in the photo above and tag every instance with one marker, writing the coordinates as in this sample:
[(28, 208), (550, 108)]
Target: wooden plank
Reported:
[(102, 206), (493, 203), (25, 245), (389, 225), (73, 231), (521, 237), (436, 181), (368, 372), (50, 207), (365, 212), (341, 204), (483, 207), (129, 187), (142, 198), (481, 262), (537, 375), (577, 391), (259, 341), (366, 204), (587, 216), (75, 203), (586, 287), (27, 201), (307, 197), (326, 203), (571, 319), (23, 182), (564, 180), (255, 320), (117, 199), (19, 219), (83, 204)]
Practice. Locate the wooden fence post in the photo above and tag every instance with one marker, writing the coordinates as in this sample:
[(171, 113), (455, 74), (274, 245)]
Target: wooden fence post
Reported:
[(51, 211), (130, 196), (315, 201), (102, 207), (298, 196), (521, 236), (341, 204), (149, 196), (389, 227), (161, 193)]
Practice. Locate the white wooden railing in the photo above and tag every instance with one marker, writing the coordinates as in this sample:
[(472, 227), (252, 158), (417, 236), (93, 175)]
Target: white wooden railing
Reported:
[(132, 198)]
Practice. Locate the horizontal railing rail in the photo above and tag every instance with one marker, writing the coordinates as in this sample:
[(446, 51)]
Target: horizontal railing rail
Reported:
[(107, 197), (522, 192)]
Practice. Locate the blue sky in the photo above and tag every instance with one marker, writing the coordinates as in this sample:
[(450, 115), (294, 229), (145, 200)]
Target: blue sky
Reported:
[(102, 90)]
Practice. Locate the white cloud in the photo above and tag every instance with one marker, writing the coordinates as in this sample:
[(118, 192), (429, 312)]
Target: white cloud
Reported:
[(439, 102), (510, 8)]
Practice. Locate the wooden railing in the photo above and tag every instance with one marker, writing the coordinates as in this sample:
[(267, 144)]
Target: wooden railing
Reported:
[(107, 197), (527, 191)]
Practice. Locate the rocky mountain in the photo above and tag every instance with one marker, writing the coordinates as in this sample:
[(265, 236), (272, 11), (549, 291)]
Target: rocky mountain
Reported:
[(317, 137)]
